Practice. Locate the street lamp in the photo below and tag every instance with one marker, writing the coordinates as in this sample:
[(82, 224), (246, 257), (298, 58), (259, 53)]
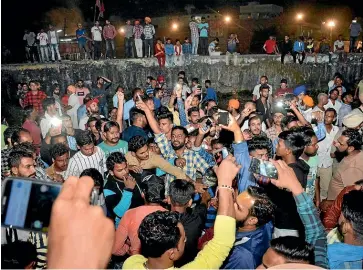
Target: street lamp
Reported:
[(227, 19), (331, 24), (299, 18), (174, 26)]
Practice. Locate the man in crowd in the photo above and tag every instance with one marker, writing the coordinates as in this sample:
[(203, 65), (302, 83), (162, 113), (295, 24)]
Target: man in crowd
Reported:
[(138, 31), (355, 29), (346, 107), (30, 47), (286, 48), (31, 125), (43, 43), (100, 92), (139, 122), (270, 46), (34, 97), (89, 156), (262, 105), (109, 34), (112, 143), (129, 42), (333, 101), (194, 33), (60, 157), (50, 118), (21, 164), (72, 105), (96, 31), (82, 41), (149, 32), (81, 90), (256, 89), (280, 92), (273, 132), (322, 101)]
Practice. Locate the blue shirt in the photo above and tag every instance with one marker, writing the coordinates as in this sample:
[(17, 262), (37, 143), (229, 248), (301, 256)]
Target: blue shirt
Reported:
[(169, 49), (157, 103), (133, 131), (80, 32), (127, 107), (344, 256), (203, 32), (211, 94), (299, 46), (81, 112), (187, 48)]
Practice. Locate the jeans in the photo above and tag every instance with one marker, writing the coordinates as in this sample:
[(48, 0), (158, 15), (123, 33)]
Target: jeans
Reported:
[(97, 50), (55, 50), (203, 45), (170, 60), (44, 53), (110, 45), (352, 43), (138, 45), (195, 42), (302, 57), (31, 53), (83, 46), (149, 43), (283, 54), (129, 50)]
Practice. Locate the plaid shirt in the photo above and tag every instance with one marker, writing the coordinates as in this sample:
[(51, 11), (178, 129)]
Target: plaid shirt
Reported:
[(138, 30), (5, 170), (35, 100), (194, 29), (149, 31), (194, 162), (187, 48), (314, 230)]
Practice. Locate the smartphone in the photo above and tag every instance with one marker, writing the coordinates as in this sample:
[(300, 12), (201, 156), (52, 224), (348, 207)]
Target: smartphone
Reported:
[(207, 125), (264, 168), (223, 118), (220, 155), (27, 203)]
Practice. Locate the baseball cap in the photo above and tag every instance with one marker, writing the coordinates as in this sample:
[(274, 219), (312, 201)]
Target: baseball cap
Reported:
[(95, 100)]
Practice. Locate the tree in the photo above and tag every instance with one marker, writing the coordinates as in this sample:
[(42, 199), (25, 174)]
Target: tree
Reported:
[(56, 17)]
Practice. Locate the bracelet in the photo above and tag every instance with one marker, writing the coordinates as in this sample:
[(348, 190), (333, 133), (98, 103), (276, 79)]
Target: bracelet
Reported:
[(226, 187), (237, 142)]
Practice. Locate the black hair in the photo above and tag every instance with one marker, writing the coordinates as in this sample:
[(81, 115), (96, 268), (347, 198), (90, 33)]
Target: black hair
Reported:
[(96, 177), (154, 190), (27, 111), (258, 143), (293, 249), (53, 138), (346, 94), (264, 76), (215, 141), (58, 149), (164, 113), (25, 146), (87, 98), (254, 118), (99, 123), (186, 38), (208, 101), (18, 255), (8, 133), (135, 113), (181, 192), (192, 109), (119, 87), (264, 86), (263, 208), (115, 158), (136, 143), (181, 72), (135, 90), (309, 134), (91, 119), (159, 232), (195, 80), (335, 89), (85, 137), (146, 98), (156, 90), (352, 210), (207, 81), (180, 78), (15, 137), (294, 140), (289, 97), (354, 138), (185, 131), (48, 102), (216, 39), (109, 125), (288, 119), (331, 110), (16, 156), (177, 40), (110, 110), (33, 81), (194, 133)]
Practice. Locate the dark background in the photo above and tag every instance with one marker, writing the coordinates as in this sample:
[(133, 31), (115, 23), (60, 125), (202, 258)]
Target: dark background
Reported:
[(20, 15)]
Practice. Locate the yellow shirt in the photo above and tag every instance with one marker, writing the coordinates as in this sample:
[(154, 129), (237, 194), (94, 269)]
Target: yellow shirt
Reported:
[(211, 256)]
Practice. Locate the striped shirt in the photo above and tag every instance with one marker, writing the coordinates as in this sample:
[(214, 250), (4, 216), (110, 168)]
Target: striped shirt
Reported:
[(40, 241), (138, 30), (79, 162)]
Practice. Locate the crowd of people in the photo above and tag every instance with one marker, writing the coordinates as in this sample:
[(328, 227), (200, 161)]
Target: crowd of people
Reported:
[(173, 176)]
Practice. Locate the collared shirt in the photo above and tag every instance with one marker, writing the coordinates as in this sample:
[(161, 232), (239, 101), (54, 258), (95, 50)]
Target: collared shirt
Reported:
[(187, 48), (138, 30), (30, 38), (109, 32), (97, 33), (335, 106), (46, 124), (149, 31), (314, 230), (345, 109), (79, 33), (35, 100), (325, 145), (129, 30), (194, 162), (194, 29)]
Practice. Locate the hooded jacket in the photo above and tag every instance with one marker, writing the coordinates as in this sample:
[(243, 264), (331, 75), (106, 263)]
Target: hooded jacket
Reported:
[(249, 248)]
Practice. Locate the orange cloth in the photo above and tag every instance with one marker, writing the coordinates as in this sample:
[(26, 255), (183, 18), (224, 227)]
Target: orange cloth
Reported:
[(233, 103), (128, 230), (308, 101)]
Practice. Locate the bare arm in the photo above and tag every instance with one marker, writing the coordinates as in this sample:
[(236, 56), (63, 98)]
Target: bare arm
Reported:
[(299, 116), (150, 117), (120, 109)]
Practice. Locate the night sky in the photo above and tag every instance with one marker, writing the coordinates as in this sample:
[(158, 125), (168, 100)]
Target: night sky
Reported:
[(20, 15)]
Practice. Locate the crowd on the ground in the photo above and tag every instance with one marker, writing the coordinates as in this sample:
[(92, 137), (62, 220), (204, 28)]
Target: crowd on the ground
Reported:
[(160, 174), (140, 41)]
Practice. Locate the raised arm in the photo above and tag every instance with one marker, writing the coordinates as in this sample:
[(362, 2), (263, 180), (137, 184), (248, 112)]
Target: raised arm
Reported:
[(120, 109), (149, 116)]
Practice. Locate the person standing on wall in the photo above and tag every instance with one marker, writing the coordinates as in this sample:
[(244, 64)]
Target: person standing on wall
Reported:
[(286, 48), (203, 36), (43, 42), (138, 31), (129, 42), (194, 33), (149, 32), (82, 41), (355, 29), (109, 34), (96, 31), (270, 46), (53, 41)]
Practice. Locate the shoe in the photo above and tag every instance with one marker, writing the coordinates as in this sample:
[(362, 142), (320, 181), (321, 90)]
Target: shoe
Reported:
[(60, 61), (114, 57)]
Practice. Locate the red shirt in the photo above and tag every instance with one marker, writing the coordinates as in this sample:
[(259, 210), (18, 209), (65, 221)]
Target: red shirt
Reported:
[(35, 132), (35, 100), (280, 92), (270, 45), (65, 100)]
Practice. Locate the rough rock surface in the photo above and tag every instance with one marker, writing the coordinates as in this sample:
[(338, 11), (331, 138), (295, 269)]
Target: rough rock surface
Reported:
[(237, 71)]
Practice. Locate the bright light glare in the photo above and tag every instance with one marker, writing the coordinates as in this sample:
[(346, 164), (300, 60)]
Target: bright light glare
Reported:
[(227, 19), (175, 26), (60, 30), (331, 24), (122, 30), (56, 122), (299, 16)]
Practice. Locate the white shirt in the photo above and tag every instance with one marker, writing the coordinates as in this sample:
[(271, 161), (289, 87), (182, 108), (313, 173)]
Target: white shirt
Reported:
[(308, 114), (325, 145), (245, 126), (53, 37), (335, 106), (46, 124), (43, 38), (97, 34), (256, 90), (79, 162), (83, 122), (338, 44), (74, 102)]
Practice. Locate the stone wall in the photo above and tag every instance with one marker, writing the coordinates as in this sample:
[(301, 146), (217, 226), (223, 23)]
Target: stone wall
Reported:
[(240, 71)]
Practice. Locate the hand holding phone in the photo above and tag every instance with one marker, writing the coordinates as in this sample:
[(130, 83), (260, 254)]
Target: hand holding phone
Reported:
[(263, 167), (220, 155)]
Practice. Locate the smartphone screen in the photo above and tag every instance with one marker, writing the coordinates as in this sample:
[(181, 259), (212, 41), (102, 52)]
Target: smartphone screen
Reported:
[(220, 155), (262, 167), (27, 204), (223, 118)]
